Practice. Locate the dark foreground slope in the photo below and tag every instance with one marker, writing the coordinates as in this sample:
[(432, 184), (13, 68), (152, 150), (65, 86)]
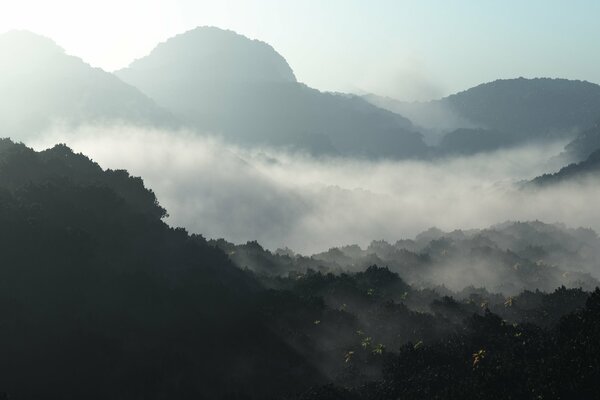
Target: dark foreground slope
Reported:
[(492, 359), (100, 299)]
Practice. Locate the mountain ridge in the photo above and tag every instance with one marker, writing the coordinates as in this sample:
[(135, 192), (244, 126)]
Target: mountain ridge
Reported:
[(43, 85), (260, 111), (520, 109)]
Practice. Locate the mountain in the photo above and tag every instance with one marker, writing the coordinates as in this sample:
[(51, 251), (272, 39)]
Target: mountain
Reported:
[(584, 144), (41, 85), (590, 168), (533, 107), (242, 89), (526, 109), (474, 140), (99, 298)]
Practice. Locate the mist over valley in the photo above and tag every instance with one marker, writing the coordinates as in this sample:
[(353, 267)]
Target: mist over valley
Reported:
[(213, 221)]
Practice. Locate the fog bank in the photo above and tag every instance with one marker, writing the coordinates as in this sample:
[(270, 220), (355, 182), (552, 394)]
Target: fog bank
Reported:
[(310, 205)]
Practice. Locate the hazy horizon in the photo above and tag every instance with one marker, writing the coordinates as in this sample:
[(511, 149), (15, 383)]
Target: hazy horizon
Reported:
[(241, 199), (385, 49)]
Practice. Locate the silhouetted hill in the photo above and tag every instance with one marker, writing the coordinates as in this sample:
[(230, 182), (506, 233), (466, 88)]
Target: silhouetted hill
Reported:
[(590, 168), (99, 298), (227, 84), (522, 109), (41, 85)]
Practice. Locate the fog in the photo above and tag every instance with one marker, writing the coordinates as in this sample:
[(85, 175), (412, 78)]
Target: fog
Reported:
[(311, 204), (434, 118)]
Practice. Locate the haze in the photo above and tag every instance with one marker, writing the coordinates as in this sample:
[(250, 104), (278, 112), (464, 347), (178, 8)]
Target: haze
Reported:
[(311, 204), (406, 50)]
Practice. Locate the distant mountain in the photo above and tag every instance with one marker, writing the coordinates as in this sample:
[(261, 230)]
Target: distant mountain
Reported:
[(532, 107), (242, 89), (41, 85), (590, 168), (526, 109)]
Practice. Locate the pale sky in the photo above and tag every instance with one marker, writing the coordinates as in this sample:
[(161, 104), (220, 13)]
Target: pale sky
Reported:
[(411, 50)]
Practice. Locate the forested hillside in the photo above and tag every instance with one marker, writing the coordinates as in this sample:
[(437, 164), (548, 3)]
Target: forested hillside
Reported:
[(506, 258), (586, 170), (99, 298)]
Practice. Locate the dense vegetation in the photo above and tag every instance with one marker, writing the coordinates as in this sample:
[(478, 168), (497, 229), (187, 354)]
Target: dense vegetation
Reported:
[(99, 298), (506, 258), (573, 173), (492, 359)]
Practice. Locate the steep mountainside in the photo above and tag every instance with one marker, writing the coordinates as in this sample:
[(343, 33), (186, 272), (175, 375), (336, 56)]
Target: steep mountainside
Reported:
[(227, 84), (101, 299), (41, 85)]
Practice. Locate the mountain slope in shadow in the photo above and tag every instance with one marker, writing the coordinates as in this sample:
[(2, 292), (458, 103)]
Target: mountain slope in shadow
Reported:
[(99, 298)]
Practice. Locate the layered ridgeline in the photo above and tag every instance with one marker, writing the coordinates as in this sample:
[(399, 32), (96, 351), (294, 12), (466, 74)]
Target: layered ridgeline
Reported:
[(505, 258), (101, 299), (504, 113), (218, 82), (226, 84), (42, 87)]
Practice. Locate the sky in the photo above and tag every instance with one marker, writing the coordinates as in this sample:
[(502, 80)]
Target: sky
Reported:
[(409, 50)]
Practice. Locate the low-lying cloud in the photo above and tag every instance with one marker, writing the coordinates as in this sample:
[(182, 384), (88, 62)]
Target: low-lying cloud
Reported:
[(311, 204)]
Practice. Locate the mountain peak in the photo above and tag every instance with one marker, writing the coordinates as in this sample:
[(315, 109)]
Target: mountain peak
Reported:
[(42, 85), (214, 54)]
